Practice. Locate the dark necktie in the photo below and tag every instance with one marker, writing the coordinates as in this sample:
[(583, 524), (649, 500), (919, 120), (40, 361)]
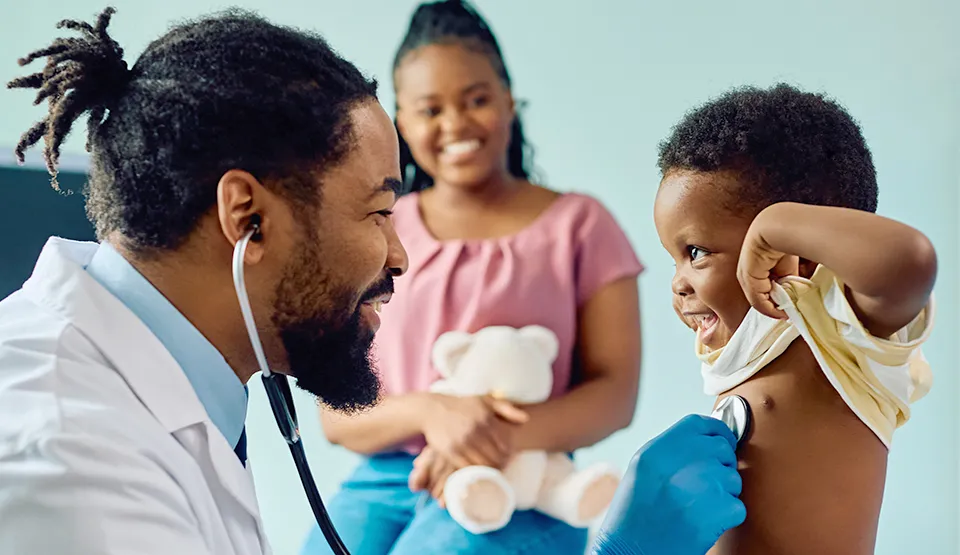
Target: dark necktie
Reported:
[(241, 448)]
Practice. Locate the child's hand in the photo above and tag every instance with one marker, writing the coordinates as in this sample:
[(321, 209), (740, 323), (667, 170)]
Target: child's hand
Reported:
[(758, 267), (430, 473)]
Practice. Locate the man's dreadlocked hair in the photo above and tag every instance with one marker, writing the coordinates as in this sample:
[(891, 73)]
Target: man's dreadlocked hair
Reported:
[(456, 22), (230, 91), (791, 146)]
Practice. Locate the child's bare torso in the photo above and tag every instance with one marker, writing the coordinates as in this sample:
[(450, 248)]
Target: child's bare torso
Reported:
[(813, 473)]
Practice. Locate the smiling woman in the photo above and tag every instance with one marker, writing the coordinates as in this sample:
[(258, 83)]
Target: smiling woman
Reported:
[(487, 247)]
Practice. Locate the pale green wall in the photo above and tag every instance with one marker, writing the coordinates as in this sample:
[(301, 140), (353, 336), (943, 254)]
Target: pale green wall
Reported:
[(605, 83)]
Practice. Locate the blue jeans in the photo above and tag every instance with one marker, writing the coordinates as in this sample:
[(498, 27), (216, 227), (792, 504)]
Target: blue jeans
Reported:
[(377, 514)]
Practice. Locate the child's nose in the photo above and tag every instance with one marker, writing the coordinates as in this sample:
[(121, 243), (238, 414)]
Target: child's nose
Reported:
[(680, 286)]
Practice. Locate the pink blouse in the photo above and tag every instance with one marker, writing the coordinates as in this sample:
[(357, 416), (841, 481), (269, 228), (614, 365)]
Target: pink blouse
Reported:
[(541, 275)]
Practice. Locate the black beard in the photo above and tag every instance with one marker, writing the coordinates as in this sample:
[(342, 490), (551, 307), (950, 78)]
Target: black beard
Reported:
[(323, 333), (333, 362)]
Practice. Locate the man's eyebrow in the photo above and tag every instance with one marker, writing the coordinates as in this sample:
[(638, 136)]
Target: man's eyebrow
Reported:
[(389, 185)]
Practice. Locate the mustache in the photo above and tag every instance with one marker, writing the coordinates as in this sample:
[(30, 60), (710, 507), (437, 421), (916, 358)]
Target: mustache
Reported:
[(382, 287)]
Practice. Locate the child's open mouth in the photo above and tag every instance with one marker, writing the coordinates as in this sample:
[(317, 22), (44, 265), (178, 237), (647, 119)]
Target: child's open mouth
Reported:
[(706, 327)]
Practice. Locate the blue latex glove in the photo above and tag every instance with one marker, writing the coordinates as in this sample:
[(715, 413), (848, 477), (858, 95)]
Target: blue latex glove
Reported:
[(679, 495)]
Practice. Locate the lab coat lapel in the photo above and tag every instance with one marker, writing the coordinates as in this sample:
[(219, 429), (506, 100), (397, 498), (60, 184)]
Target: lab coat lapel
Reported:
[(232, 475), (219, 464), (60, 283)]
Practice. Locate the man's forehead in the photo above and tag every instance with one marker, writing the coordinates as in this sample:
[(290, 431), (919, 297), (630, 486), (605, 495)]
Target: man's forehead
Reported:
[(376, 152)]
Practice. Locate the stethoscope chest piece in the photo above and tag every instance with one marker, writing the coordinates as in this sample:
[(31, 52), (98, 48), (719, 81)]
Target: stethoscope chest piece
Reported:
[(734, 411)]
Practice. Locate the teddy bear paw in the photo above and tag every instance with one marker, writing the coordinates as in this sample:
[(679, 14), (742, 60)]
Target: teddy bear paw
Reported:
[(487, 501), (479, 498), (597, 496)]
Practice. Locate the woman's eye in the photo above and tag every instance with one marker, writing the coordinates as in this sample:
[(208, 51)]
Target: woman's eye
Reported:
[(479, 101)]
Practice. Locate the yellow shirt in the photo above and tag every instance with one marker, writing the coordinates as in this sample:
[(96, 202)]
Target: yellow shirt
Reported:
[(877, 378)]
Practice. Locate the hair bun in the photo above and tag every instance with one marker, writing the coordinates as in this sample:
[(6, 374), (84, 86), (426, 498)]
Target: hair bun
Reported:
[(101, 61), (84, 74)]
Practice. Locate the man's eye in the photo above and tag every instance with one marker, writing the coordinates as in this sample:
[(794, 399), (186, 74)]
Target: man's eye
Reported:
[(381, 216)]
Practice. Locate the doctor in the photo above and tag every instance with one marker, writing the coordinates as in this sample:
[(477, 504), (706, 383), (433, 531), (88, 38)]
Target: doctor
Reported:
[(123, 364)]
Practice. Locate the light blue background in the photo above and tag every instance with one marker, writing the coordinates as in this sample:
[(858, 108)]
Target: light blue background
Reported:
[(605, 82)]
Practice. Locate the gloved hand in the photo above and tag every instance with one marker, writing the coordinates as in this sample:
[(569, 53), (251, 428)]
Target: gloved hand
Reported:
[(679, 495)]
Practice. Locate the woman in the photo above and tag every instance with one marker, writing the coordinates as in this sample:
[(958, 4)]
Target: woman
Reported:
[(486, 247)]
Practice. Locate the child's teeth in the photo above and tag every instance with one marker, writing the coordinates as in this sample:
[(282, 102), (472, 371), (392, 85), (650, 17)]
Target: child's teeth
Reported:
[(377, 306)]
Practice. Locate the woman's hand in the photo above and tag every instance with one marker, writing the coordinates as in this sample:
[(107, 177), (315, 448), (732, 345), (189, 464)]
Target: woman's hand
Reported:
[(430, 473), (759, 266), (472, 430)]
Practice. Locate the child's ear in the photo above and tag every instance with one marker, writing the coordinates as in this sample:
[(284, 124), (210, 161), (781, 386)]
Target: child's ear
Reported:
[(807, 267)]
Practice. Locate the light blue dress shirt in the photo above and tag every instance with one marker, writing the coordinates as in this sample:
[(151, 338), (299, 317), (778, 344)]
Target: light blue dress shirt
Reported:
[(219, 389)]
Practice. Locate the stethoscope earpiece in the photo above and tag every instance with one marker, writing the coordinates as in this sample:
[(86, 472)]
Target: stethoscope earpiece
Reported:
[(255, 221)]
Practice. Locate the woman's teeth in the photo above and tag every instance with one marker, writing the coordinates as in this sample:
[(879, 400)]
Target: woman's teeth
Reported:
[(377, 306), (462, 147)]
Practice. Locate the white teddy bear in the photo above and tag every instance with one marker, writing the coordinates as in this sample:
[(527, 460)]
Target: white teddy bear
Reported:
[(516, 365)]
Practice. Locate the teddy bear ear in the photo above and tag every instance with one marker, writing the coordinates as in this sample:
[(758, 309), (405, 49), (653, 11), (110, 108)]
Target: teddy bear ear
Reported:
[(448, 349), (544, 339)]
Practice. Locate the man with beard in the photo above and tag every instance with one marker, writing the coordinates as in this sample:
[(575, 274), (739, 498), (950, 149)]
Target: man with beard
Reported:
[(123, 363)]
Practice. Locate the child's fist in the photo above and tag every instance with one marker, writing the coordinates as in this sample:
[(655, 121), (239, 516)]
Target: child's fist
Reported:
[(759, 266)]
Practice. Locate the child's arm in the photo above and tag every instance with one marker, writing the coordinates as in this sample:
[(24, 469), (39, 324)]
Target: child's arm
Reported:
[(889, 268)]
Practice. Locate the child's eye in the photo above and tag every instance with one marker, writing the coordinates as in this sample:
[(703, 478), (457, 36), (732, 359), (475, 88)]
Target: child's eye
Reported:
[(429, 112), (696, 252)]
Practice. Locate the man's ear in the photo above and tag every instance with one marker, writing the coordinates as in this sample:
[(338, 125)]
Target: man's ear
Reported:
[(241, 202)]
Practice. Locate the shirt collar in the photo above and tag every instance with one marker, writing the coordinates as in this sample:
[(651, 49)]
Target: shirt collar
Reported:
[(219, 389)]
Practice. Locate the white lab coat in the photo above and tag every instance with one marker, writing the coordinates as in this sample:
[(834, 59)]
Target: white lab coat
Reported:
[(104, 446)]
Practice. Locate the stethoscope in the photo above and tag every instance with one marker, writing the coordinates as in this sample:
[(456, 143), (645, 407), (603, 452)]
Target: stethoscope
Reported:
[(734, 410), (281, 400)]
